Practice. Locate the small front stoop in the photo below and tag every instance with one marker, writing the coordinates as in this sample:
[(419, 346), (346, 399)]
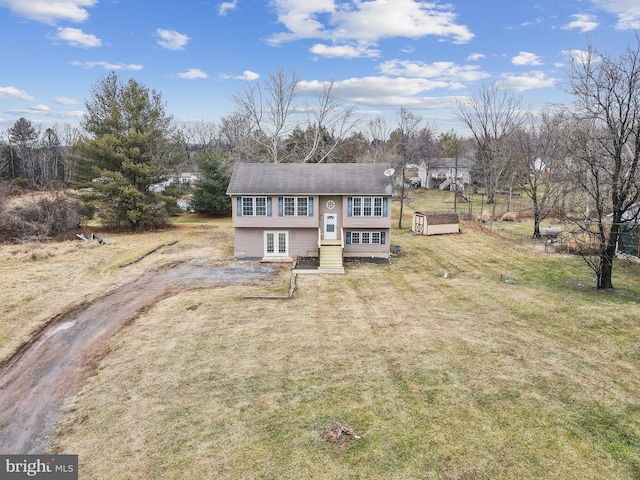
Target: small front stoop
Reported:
[(331, 257)]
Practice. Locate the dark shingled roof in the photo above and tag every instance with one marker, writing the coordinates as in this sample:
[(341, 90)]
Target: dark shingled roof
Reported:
[(442, 217), (310, 179)]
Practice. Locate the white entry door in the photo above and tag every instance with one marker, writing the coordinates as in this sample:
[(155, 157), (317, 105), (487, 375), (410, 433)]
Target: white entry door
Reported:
[(276, 244), (330, 226)]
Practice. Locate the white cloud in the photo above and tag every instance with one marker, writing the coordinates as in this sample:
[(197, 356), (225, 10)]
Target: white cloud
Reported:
[(368, 21), (447, 72), (526, 58), (385, 92), (417, 103), (474, 57), (77, 38), (627, 11), (344, 51), (45, 111), (380, 86), (50, 12), (65, 101), (583, 22), (537, 21), (40, 108), (528, 81), (580, 56), (226, 7), (193, 74), (108, 66), (172, 40), (13, 92), (247, 75)]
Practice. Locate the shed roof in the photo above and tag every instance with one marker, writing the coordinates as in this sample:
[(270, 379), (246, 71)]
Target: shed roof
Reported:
[(441, 217), (310, 179)]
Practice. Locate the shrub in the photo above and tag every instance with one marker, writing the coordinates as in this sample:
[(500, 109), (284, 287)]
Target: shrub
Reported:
[(510, 217), (45, 216)]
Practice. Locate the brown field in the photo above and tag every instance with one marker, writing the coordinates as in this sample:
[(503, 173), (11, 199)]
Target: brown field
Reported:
[(441, 368)]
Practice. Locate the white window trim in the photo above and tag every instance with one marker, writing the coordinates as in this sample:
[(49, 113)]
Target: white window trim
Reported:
[(371, 206), (296, 205), (370, 234), (276, 252), (254, 207)]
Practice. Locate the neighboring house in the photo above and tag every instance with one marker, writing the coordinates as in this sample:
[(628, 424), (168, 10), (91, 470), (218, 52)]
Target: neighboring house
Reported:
[(330, 211), (435, 171), (629, 240), (187, 179)]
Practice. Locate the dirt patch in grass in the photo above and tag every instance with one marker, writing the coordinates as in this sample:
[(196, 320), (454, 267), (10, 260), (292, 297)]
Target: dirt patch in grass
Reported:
[(339, 436)]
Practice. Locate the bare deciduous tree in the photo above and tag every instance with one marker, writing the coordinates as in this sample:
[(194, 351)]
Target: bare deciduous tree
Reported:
[(492, 115), (540, 154), (408, 124), (269, 106), (23, 140), (197, 136), (329, 116), (273, 108), (236, 138), (379, 132), (452, 145), (605, 148)]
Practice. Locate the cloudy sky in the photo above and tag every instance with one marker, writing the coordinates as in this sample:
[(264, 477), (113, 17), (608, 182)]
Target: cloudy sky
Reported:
[(381, 54)]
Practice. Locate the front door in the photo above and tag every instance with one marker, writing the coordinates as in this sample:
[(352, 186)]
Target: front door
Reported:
[(275, 244), (330, 226)]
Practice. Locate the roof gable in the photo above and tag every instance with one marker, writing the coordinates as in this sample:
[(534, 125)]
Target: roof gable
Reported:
[(310, 179)]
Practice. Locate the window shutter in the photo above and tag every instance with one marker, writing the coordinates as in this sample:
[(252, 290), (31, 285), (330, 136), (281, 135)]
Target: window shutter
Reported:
[(349, 206), (382, 238), (268, 206), (385, 207), (310, 208), (239, 209), (280, 206), (348, 238)]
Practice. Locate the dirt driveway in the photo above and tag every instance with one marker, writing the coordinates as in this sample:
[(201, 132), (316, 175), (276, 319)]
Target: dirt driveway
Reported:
[(35, 382)]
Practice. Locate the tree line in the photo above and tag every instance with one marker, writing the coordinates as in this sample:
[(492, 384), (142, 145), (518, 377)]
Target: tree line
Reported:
[(578, 162)]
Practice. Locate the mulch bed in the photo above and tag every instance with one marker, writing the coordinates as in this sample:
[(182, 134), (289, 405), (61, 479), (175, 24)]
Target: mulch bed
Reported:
[(312, 263)]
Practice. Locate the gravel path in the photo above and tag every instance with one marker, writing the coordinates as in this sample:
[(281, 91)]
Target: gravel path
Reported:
[(35, 382)]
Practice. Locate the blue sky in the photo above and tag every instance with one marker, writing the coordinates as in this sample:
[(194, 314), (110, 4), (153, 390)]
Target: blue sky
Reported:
[(381, 54)]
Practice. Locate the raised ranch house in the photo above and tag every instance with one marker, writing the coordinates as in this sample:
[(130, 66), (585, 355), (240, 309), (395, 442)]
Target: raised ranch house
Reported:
[(330, 211)]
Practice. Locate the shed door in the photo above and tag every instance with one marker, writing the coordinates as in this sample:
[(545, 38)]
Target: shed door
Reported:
[(419, 224)]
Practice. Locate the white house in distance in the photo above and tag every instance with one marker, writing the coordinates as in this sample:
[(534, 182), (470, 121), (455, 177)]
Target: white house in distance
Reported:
[(435, 171), (331, 211)]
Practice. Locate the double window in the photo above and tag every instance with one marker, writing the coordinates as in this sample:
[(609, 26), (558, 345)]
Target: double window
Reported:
[(364, 238), (254, 206), (368, 206), (287, 206), (295, 206)]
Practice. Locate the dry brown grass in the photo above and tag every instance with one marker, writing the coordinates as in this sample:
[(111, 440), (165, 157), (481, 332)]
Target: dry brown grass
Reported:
[(462, 376), (41, 280)]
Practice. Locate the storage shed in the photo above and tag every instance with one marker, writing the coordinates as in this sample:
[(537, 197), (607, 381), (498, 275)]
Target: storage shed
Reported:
[(435, 223)]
